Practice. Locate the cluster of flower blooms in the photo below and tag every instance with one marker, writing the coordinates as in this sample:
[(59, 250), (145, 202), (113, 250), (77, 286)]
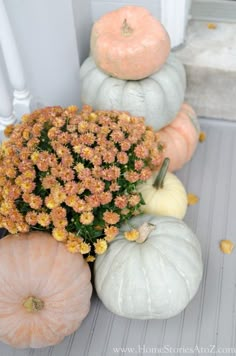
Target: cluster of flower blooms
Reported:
[(75, 174)]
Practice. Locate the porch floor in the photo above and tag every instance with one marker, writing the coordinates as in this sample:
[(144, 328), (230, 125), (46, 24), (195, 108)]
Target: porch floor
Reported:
[(209, 321)]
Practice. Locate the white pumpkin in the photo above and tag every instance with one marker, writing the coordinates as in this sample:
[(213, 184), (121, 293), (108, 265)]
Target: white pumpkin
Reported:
[(158, 98), (155, 279), (164, 194)]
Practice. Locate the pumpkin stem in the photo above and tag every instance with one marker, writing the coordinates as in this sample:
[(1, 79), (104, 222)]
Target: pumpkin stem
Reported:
[(126, 29), (159, 181), (33, 304), (144, 231)]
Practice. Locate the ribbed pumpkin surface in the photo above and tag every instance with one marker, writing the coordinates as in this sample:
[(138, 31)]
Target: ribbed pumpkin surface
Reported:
[(35, 265), (155, 279)]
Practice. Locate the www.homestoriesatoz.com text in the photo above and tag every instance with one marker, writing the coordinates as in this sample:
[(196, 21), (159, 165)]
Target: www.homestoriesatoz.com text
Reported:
[(167, 349)]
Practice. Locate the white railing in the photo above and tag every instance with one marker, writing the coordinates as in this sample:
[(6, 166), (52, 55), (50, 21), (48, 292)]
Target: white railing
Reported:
[(55, 79), (21, 96), (6, 107)]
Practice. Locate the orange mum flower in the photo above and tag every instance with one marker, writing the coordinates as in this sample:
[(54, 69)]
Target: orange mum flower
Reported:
[(31, 218), (111, 218), (134, 200), (110, 233), (58, 213), (84, 248), (67, 171), (35, 202), (122, 157), (121, 201), (132, 176)]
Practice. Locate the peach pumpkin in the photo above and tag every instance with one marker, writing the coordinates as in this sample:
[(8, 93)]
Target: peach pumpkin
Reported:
[(181, 137), (129, 43), (44, 290)]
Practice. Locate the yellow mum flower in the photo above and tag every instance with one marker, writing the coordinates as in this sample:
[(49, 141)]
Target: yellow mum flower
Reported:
[(79, 167), (58, 194), (131, 235), (26, 134), (59, 234), (192, 199), (25, 117), (5, 208), (72, 108), (43, 219), (90, 258), (34, 157), (9, 225), (86, 218), (73, 246), (27, 186), (8, 130), (93, 116), (3, 181), (202, 136), (50, 202), (22, 227), (84, 248), (29, 174), (226, 246), (100, 246)]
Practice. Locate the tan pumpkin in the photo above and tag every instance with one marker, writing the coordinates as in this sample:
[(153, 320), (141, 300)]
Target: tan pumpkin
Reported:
[(129, 43), (44, 290), (181, 137)]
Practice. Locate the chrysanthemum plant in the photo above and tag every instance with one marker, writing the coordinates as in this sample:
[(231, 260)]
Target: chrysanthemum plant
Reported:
[(74, 173)]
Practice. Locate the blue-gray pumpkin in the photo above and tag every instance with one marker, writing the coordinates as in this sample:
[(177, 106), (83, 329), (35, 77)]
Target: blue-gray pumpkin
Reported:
[(158, 97), (154, 277)]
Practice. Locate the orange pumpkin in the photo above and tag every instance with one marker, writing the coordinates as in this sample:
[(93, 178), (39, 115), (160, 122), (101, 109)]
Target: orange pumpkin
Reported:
[(129, 43), (44, 290), (181, 137)]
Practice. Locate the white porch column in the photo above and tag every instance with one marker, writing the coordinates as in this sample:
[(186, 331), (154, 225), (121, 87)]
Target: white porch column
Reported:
[(22, 97), (6, 108), (174, 17)]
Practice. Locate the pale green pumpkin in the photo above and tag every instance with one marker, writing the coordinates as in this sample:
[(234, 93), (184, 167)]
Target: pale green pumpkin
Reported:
[(158, 98), (154, 278)]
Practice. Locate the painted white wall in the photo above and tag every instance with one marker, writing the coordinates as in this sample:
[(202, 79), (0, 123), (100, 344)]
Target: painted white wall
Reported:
[(100, 7), (83, 23), (46, 37)]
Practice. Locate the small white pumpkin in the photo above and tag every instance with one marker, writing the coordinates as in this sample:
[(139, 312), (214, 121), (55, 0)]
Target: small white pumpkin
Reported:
[(164, 194), (155, 279), (158, 98)]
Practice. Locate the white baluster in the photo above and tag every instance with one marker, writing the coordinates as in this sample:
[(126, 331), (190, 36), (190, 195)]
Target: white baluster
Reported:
[(6, 108), (22, 97)]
